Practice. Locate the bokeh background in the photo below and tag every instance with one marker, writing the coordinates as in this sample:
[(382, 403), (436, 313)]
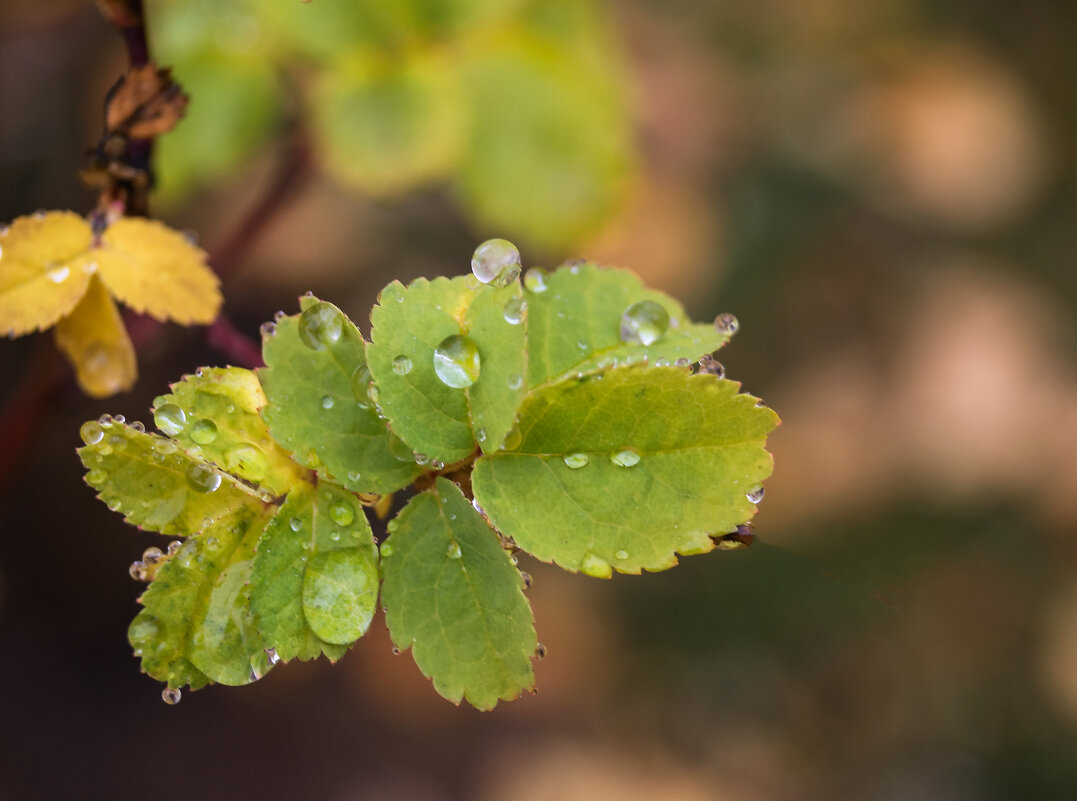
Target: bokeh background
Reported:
[(884, 193)]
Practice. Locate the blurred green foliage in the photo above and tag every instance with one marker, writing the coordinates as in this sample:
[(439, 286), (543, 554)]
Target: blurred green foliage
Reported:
[(518, 106)]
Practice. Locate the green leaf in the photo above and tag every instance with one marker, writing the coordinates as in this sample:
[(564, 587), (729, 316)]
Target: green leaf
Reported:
[(432, 417), (155, 484), (220, 409), (319, 408), (387, 124), (555, 162), (574, 325), (315, 581), (197, 626), (452, 594), (700, 449)]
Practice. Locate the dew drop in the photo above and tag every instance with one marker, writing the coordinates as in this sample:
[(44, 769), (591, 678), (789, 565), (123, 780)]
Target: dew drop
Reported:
[(203, 431), (399, 449), (174, 546), (96, 476), (295, 524), (361, 384), (526, 578), (644, 322), (661, 361), (540, 651), (595, 566), (480, 436), (453, 551), (138, 571), (496, 261), (682, 362), (420, 458), (342, 514), (170, 419), (513, 440), (353, 475), (536, 280), (755, 496), (138, 426), (334, 535), (437, 464), (272, 656), (401, 365), (320, 326), (709, 366), (152, 555), (577, 460), (386, 549), (456, 361), (104, 420), (327, 401), (59, 274), (203, 479), (627, 457), (515, 381), (246, 459), (267, 329), (515, 308), (171, 695), (91, 432), (164, 447), (726, 324)]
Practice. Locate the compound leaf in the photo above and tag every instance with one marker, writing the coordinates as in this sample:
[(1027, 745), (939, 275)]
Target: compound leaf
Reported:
[(198, 612), (452, 595), (215, 414), (41, 276), (441, 421), (156, 270), (94, 339), (625, 469), (318, 407), (156, 485), (315, 579)]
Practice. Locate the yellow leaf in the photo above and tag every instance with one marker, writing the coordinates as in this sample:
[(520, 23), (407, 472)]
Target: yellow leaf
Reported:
[(96, 342), (156, 270), (42, 276)]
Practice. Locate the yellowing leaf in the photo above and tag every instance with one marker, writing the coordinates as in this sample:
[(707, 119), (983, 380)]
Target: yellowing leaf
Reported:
[(154, 269), (94, 339), (41, 276)]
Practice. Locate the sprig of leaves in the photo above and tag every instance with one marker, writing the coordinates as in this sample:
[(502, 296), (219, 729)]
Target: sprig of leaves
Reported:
[(560, 413)]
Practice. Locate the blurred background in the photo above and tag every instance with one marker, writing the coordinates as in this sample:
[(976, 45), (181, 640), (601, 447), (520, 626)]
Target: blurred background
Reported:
[(884, 193)]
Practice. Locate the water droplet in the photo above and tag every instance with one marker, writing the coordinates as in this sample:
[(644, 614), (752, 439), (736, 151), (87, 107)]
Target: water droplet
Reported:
[(496, 261), (540, 652), (327, 401), (682, 362), (480, 436), (595, 566), (203, 478), (513, 440), (661, 361), (386, 549), (361, 384), (171, 695), (138, 571), (170, 419), (117, 442), (59, 274), (174, 546), (342, 514), (535, 280), (622, 555), (91, 433), (456, 361), (246, 459), (577, 460), (267, 329), (334, 535), (164, 447), (515, 308), (420, 458), (95, 477), (627, 457), (400, 451), (320, 326), (726, 324), (401, 365), (760, 403), (104, 420), (709, 366), (138, 426), (644, 322), (272, 656), (515, 381), (203, 431), (152, 555), (453, 551), (755, 496), (295, 524), (526, 578), (353, 475)]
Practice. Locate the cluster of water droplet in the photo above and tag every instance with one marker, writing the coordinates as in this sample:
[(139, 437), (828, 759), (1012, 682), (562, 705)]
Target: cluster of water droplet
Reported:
[(145, 569), (625, 457)]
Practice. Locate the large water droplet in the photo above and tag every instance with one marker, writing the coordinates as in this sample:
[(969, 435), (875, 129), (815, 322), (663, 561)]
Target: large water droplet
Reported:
[(644, 322), (171, 695), (203, 431), (139, 572), (91, 432), (726, 324), (595, 566), (245, 458), (170, 419), (536, 280), (512, 440), (456, 361), (515, 307), (342, 514), (320, 326), (361, 384), (453, 551), (401, 365), (202, 478), (577, 460), (755, 496), (627, 457), (496, 261), (152, 555)]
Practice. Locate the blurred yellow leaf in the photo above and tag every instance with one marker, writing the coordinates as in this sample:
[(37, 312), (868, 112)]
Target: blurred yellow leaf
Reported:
[(156, 270), (41, 277), (94, 339)]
